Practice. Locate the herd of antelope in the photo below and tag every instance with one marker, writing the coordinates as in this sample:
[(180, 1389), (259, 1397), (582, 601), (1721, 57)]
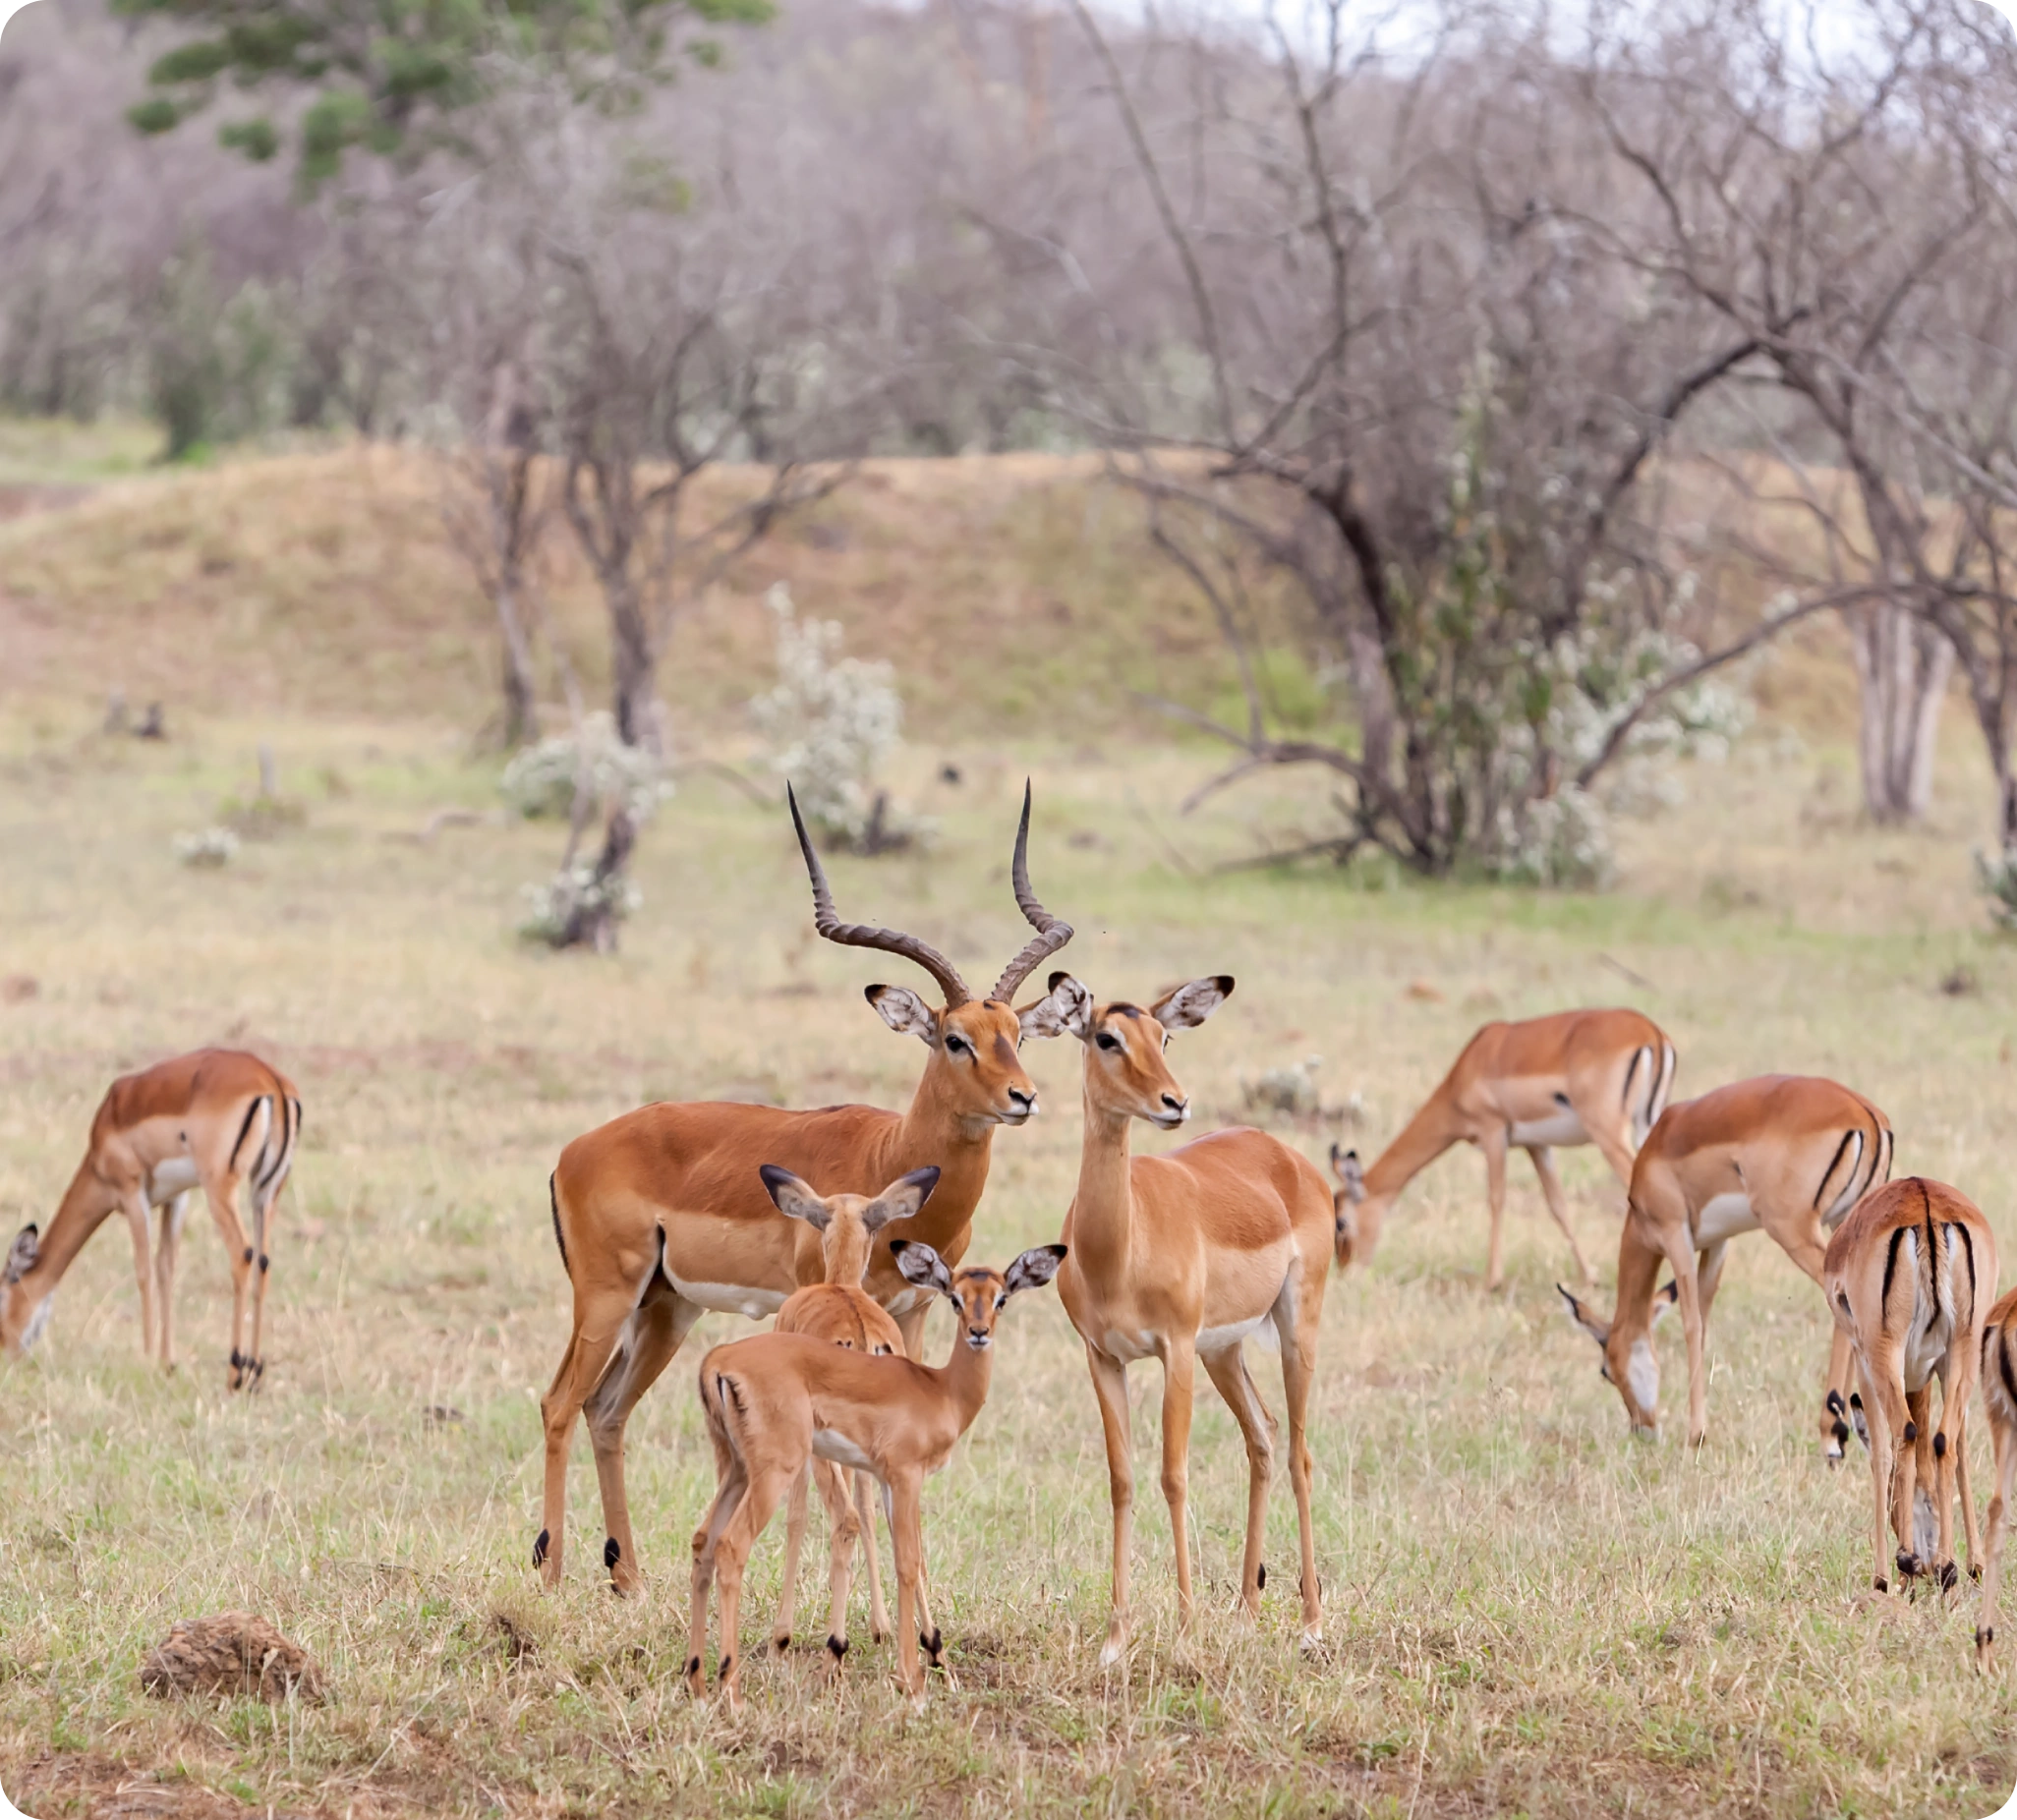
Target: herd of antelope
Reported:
[(847, 1223)]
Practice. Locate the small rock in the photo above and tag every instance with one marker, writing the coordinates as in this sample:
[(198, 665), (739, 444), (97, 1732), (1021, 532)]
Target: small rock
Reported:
[(233, 1653)]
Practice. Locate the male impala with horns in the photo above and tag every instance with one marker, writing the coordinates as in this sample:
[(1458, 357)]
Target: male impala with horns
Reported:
[(660, 1215)]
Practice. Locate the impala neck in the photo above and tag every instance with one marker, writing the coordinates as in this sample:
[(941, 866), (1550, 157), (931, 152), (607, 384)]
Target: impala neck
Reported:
[(965, 1376), (937, 1131), (1429, 1133), (85, 1204), (1103, 1209), (846, 1252)]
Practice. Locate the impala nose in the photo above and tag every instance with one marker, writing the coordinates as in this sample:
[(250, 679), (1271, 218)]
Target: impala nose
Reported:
[(1175, 1105), (1023, 1105)]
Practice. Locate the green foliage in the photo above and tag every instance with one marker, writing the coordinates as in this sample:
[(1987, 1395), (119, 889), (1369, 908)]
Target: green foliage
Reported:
[(385, 77)]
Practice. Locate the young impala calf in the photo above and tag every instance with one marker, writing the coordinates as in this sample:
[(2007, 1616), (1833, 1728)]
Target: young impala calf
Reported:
[(217, 1118), (774, 1401), (1578, 1077), (840, 1311), (1999, 1399), (1790, 1153), (1181, 1258), (1909, 1276)]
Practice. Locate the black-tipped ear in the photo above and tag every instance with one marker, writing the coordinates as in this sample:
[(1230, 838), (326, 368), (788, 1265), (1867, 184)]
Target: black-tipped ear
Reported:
[(1192, 1003), (901, 1200), (1035, 1268), (793, 1198), (1667, 1298), (1064, 1009), (921, 1265), (22, 1254), (1598, 1330)]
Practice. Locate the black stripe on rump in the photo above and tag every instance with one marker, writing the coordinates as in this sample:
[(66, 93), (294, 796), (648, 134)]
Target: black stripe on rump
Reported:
[(1890, 1266), (270, 1175), (553, 1201), (1968, 1245), (1631, 1074), (2003, 1366), (250, 1112), (1829, 1174)]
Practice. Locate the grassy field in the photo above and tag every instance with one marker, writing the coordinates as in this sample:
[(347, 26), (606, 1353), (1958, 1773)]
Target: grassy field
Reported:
[(1525, 1613)]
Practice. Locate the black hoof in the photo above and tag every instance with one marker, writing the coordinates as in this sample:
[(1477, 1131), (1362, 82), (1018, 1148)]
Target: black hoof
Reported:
[(933, 1646), (612, 1554), (1975, 1571), (1910, 1567), (837, 1647), (1260, 1580), (540, 1550), (1950, 1576), (783, 1644), (1881, 1584)]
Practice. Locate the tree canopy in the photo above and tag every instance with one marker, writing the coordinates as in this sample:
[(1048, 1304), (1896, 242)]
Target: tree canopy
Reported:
[(387, 75)]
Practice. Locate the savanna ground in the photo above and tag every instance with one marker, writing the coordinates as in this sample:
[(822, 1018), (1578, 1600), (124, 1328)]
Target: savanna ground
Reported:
[(1525, 1613)]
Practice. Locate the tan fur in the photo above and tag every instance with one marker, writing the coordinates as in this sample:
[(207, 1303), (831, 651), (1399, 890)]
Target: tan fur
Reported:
[(2000, 1404), (768, 1400), (1799, 1147), (229, 1122), (1612, 1067), (1913, 1259), (668, 1194), (1172, 1251)]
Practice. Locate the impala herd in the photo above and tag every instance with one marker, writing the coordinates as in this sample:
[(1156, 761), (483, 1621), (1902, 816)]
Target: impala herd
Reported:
[(848, 1223)]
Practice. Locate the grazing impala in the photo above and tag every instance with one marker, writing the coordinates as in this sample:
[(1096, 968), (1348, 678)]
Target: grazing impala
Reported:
[(217, 1118), (1578, 1077), (775, 1401), (1180, 1256), (1786, 1152), (1909, 1274), (838, 1310), (660, 1215), (1999, 1399)]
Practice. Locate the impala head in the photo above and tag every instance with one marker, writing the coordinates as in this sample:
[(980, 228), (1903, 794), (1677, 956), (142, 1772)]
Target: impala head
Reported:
[(1360, 1215), (977, 1294), (847, 1223), (974, 1065), (1125, 1070), (1629, 1360), (23, 1306)]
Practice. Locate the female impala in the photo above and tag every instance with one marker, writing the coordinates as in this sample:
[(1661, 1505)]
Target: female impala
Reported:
[(840, 1312), (775, 1401), (1910, 1274), (1786, 1152), (1999, 1399), (1180, 1256), (1578, 1077), (660, 1215), (217, 1117)]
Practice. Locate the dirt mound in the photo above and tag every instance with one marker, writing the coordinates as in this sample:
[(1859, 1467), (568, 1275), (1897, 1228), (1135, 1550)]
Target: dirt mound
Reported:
[(233, 1653)]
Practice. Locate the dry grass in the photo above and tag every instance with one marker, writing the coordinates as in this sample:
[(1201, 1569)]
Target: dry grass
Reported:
[(1525, 1613)]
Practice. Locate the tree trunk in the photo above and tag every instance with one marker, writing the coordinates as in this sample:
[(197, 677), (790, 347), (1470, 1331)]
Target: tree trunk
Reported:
[(595, 920), (521, 720), (633, 665), (1902, 668)]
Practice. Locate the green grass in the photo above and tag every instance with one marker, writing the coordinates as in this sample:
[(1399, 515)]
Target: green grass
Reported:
[(1525, 1613)]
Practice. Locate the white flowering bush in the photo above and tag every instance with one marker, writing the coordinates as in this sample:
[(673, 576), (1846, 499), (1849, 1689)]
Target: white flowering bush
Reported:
[(831, 721), (540, 782), (1291, 1089), (213, 847), (555, 910), (1564, 840), (1997, 880)]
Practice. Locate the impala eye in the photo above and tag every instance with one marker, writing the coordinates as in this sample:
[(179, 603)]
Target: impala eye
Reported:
[(1108, 1042), (957, 1046)]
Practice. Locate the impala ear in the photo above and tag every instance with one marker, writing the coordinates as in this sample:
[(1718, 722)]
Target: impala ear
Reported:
[(1665, 1300), (795, 1199), (1035, 1268), (1192, 1003), (1598, 1330), (1345, 1165), (921, 1265), (1065, 1010), (901, 1199), (905, 1013), (22, 1254)]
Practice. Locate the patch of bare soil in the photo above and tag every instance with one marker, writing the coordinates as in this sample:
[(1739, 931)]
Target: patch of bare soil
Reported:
[(98, 1788)]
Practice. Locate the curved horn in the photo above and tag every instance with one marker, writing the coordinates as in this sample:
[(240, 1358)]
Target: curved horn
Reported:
[(827, 920), (1051, 932)]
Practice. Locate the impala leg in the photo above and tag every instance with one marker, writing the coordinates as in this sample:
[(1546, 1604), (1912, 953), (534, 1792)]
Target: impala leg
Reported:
[(1911, 1488), (794, 1536), (1950, 1460), (136, 1212), (864, 1505), (167, 1251), (907, 1531), (600, 1320), (1681, 1259), (1834, 1421), (1493, 1144), (730, 1483), (845, 1528), (647, 1344), (1968, 1523), (221, 1191), (1615, 1146), (1110, 1386), (929, 1638), (1180, 1371), (1228, 1371), (1299, 1380), (767, 1485), (2004, 1439), (261, 1273), (1876, 1417), (1558, 1204)]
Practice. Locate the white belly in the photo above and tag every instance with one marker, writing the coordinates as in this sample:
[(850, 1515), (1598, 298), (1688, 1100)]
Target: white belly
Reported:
[(1128, 1347), (1213, 1340), (1722, 1216), (831, 1444), (1563, 1127), (729, 1298), (171, 1176)]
